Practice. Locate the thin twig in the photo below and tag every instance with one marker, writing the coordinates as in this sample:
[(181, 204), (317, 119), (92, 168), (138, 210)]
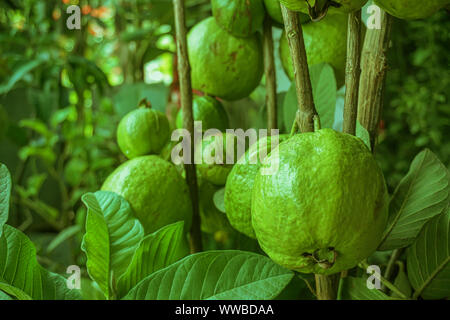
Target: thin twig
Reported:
[(294, 35), (184, 72), (352, 72), (269, 70)]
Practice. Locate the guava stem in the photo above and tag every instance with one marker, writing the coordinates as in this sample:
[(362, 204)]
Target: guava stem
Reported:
[(269, 70), (184, 72), (294, 35), (327, 286), (352, 72), (373, 71)]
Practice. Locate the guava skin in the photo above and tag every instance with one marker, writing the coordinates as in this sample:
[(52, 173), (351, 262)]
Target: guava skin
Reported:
[(222, 65), (239, 186), (327, 199), (217, 172), (155, 190), (325, 42), (345, 6), (209, 111), (274, 11), (241, 18), (142, 131), (412, 9)]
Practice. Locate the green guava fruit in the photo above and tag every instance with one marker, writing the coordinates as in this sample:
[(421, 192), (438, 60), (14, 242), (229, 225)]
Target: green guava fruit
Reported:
[(325, 42), (207, 110), (274, 11), (240, 181), (222, 65), (412, 9), (325, 208), (142, 131), (241, 18), (317, 9), (217, 153), (212, 219), (155, 190)]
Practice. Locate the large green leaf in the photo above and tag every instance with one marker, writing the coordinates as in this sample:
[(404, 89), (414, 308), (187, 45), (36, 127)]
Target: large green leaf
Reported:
[(5, 193), (324, 92), (156, 251), (422, 194), (428, 259), (215, 275), (356, 289), (20, 274), (112, 236)]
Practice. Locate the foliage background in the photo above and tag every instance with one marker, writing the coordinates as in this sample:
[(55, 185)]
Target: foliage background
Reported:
[(62, 93)]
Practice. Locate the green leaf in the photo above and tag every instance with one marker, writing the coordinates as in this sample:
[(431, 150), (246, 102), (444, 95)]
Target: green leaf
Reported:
[(21, 275), (62, 237), (215, 275), (156, 251), (112, 236), (402, 282), (4, 296), (356, 289), (363, 134), (18, 74), (13, 291), (5, 193), (218, 199), (422, 194), (324, 92), (428, 259)]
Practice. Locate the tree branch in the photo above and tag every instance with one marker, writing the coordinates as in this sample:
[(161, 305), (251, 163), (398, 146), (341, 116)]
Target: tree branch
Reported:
[(352, 72), (373, 71), (294, 35), (269, 70), (184, 72)]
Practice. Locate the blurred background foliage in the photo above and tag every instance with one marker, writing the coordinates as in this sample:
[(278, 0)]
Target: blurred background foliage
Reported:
[(62, 93)]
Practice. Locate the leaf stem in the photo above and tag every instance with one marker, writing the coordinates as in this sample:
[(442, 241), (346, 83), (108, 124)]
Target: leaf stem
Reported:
[(184, 72), (327, 286), (388, 284), (352, 72), (269, 70), (294, 35)]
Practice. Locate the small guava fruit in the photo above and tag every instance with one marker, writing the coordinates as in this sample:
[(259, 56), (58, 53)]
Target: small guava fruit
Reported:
[(223, 65), (240, 181), (241, 18), (155, 190), (217, 154), (325, 208), (325, 42), (274, 11), (412, 9), (317, 9), (212, 219), (209, 111), (142, 131)]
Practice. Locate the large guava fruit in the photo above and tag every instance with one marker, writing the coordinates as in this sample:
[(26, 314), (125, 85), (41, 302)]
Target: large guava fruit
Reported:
[(241, 18), (325, 209), (155, 190), (142, 131), (223, 65), (209, 111), (319, 8), (325, 42), (239, 186), (412, 9), (217, 154)]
